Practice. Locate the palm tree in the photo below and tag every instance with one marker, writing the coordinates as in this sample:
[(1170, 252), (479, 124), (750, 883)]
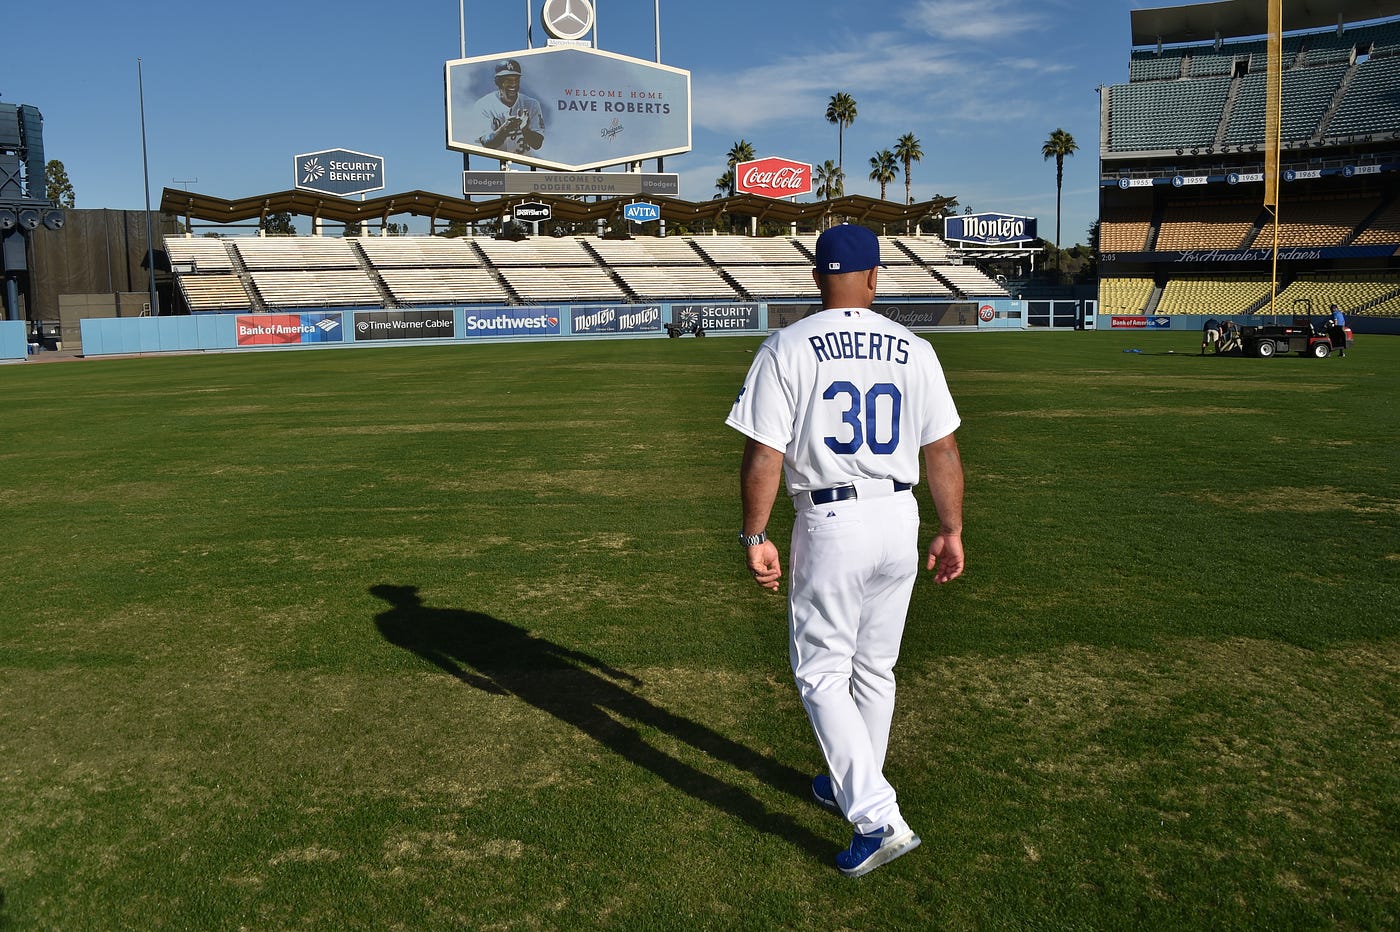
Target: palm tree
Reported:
[(1059, 145), (883, 169), (724, 184), (841, 110), (828, 176), (908, 151), (741, 151)]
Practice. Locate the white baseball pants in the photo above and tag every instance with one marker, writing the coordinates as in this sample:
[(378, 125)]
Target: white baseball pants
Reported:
[(853, 566)]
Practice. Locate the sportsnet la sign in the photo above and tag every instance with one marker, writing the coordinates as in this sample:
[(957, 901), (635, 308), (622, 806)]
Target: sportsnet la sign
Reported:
[(773, 177)]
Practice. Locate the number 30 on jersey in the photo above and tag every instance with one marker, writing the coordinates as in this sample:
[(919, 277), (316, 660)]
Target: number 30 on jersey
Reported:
[(872, 417)]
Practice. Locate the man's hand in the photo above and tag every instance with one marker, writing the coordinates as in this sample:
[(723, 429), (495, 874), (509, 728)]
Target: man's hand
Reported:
[(764, 565), (945, 557)]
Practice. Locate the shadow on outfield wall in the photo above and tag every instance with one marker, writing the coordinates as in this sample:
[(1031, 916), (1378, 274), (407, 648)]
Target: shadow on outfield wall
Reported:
[(498, 657)]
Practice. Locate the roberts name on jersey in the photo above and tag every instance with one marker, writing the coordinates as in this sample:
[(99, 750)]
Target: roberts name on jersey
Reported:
[(859, 344)]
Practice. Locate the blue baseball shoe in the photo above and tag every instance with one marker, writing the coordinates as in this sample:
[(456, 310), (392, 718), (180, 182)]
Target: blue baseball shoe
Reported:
[(868, 852), (825, 794)]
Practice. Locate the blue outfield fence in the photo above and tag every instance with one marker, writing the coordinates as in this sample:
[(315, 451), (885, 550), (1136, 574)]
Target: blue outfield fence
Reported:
[(322, 327), (14, 339)]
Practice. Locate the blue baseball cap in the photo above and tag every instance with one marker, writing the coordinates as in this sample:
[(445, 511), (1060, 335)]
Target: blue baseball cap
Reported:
[(847, 247)]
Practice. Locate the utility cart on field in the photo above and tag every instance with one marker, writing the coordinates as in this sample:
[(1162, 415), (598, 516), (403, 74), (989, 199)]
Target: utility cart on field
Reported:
[(1302, 337)]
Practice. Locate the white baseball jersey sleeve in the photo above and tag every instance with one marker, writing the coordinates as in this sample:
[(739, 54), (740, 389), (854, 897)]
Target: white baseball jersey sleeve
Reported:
[(846, 394)]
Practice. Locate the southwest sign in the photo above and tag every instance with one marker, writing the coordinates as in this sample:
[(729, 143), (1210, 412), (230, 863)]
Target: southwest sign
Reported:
[(567, 108), (342, 172), (773, 177)]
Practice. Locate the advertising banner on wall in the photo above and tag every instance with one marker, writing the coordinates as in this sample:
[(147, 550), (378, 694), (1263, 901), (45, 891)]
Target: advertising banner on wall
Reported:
[(716, 316), (512, 322), (404, 325), (283, 329), (1133, 322), (913, 316), (627, 318), (567, 108)]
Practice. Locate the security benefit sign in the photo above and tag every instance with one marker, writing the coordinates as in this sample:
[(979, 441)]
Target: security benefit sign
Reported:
[(404, 325), (289, 329), (567, 108), (624, 318), (989, 229), (716, 316), (339, 171), (512, 322)]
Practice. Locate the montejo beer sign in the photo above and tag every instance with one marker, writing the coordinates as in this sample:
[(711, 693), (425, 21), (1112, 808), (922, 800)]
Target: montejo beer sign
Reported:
[(773, 177)]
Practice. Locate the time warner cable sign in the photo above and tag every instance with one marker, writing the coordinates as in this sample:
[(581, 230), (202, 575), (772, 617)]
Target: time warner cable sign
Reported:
[(342, 172), (989, 229), (565, 108)]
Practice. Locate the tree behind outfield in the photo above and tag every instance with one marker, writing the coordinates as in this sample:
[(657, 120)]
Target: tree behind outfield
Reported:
[(59, 187), (279, 224)]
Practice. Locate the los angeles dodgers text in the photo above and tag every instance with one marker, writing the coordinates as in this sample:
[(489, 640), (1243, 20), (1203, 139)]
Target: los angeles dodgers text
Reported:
[(860, 345)]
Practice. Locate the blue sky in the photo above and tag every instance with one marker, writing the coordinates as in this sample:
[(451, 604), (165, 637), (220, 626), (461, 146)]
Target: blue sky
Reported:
[(234, 90)]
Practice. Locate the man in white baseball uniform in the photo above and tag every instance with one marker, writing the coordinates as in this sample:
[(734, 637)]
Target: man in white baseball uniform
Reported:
[(510, 120), (843, 403)]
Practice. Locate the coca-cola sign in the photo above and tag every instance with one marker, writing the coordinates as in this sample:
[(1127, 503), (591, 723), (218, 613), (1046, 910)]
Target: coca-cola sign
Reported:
[(773, 177)]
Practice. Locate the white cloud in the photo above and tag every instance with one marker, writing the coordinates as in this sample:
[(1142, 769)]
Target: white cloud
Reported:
[(973, 20)]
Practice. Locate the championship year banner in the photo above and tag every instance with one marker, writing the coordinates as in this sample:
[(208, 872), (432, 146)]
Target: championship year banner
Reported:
[(289, 329)]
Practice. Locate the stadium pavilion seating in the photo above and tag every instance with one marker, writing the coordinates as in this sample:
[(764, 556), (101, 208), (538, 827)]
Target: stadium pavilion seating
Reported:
[(1373, 102), (971, 281), (419, 252), (215, 292), (444, 286), (316, 288), (204, 254), (930, 250), (1124, 295), (1183, 113), (1213, 294), (1384, 228), (1207, 224), (1377, 293), (206, 275), (1179, 97), (256, 273)]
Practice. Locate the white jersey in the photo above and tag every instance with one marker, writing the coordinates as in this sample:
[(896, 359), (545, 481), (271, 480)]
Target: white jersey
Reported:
[(845, 394), (492, 112)]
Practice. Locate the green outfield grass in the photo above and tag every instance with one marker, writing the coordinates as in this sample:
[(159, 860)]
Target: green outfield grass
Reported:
[(459, 637)]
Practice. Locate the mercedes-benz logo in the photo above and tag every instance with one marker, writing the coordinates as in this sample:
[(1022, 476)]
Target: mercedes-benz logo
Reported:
[(567, 19)]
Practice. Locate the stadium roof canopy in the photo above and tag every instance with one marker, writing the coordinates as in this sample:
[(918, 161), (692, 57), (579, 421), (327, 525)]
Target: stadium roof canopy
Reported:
[(1233, 19), (443, 208)]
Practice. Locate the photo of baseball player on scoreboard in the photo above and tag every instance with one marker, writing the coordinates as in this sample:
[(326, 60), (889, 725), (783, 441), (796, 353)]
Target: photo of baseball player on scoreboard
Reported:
[(569, 109)]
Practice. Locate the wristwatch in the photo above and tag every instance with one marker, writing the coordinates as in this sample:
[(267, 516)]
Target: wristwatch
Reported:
[(752, 540)]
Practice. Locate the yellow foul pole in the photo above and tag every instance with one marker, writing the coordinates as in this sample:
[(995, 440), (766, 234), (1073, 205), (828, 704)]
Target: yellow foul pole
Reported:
[(1273, 110)]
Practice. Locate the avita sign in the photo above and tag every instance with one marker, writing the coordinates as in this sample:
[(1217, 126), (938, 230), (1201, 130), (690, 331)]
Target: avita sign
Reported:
[(773, 177)]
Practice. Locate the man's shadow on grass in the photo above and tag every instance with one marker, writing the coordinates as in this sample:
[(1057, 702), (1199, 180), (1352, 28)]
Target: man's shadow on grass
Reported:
[(582, 691)]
